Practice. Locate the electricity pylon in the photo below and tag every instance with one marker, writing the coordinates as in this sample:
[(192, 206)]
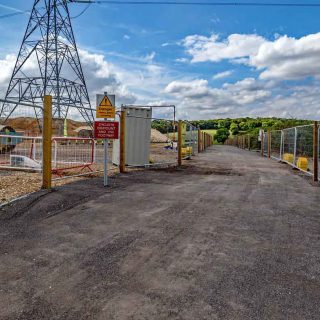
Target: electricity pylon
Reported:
[(48, 64)]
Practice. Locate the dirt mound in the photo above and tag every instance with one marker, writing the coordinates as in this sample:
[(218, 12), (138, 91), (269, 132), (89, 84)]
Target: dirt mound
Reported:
[(29, 126), (158, 137)]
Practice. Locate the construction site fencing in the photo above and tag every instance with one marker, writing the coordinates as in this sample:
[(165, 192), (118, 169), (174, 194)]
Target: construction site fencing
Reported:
[(163, 144), (276, 144), (73, 157), (149, 142), (246, 141), (189, 140), (297, 146), (70, 156), (20, 152)]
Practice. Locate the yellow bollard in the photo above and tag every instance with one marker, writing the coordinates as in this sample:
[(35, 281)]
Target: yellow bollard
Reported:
[(303, 163)]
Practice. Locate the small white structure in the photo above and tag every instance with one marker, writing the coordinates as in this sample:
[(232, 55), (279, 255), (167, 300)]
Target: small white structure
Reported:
[(138, 135)]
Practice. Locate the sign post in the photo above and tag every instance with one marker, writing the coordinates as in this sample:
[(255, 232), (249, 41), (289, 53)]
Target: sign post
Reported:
[(106, 129)]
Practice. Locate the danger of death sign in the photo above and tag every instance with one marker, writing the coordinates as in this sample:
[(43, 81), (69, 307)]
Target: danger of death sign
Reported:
[(106, 130), (105, 109)]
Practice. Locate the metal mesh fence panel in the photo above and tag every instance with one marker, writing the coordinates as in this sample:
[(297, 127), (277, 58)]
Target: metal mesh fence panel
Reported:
[(289, 145), (276, 142), (265, 143), (20, 152), (255, 144), (190, 141), (304, 148), (79, 156), (163, 143)]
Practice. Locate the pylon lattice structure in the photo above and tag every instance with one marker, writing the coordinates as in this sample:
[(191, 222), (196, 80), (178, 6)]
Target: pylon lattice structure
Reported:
[(48, 64)]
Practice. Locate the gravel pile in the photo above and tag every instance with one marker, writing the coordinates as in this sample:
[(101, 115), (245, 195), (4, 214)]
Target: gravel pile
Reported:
[(158, 137)]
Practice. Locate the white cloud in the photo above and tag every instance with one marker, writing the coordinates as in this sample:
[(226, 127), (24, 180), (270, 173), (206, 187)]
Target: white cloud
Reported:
[(288, 58), (222, 75), (150, 57), (126, 37), (100, 75), (6, 67), (182, 60), (203, 48), (200, 100), (247, 97), (284, 58)]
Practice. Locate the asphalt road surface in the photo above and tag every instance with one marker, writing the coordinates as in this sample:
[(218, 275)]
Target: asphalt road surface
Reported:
[(228, 236)]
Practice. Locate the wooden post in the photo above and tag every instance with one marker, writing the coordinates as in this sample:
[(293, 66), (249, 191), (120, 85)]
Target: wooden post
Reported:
[(122, 165), (199, 141), (269, 144), (202, 142), (47, 143), (262, 144), (249, 142), (180, 143), (316, 152)]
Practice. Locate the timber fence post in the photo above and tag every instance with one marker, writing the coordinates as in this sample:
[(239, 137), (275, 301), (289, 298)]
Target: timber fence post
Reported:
[(47, 143), (315, 151), (123, 142)]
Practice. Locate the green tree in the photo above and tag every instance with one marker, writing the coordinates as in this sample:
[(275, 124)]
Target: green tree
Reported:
[(234, 128), (222, 135)]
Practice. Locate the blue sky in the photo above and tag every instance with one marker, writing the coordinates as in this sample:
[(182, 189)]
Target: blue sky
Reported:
[(210, 61)]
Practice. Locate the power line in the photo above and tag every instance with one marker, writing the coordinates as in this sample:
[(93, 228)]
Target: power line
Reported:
[(82, 12), (185, 3), (13, 14)]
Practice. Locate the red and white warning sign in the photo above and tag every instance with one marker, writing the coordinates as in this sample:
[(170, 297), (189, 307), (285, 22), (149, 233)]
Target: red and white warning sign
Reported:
[(106, 130)]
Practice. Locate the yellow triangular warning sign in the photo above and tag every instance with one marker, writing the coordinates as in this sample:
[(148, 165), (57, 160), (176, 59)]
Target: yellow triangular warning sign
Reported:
[(105, 102)]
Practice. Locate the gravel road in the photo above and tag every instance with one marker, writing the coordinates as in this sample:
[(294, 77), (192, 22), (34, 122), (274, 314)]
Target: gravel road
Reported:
[(228, 236)]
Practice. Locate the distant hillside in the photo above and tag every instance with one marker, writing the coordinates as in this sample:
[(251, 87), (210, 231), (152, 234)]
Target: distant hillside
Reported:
[(221, 129)]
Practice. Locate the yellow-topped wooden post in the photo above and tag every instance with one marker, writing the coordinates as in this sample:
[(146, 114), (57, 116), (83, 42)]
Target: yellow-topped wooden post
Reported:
[(315, 151), (262, 144), (122, 165), (47, 143), (269, 143), (180, 143)]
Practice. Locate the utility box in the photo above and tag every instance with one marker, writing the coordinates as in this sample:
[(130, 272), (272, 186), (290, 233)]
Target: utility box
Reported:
[(138, 136)]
